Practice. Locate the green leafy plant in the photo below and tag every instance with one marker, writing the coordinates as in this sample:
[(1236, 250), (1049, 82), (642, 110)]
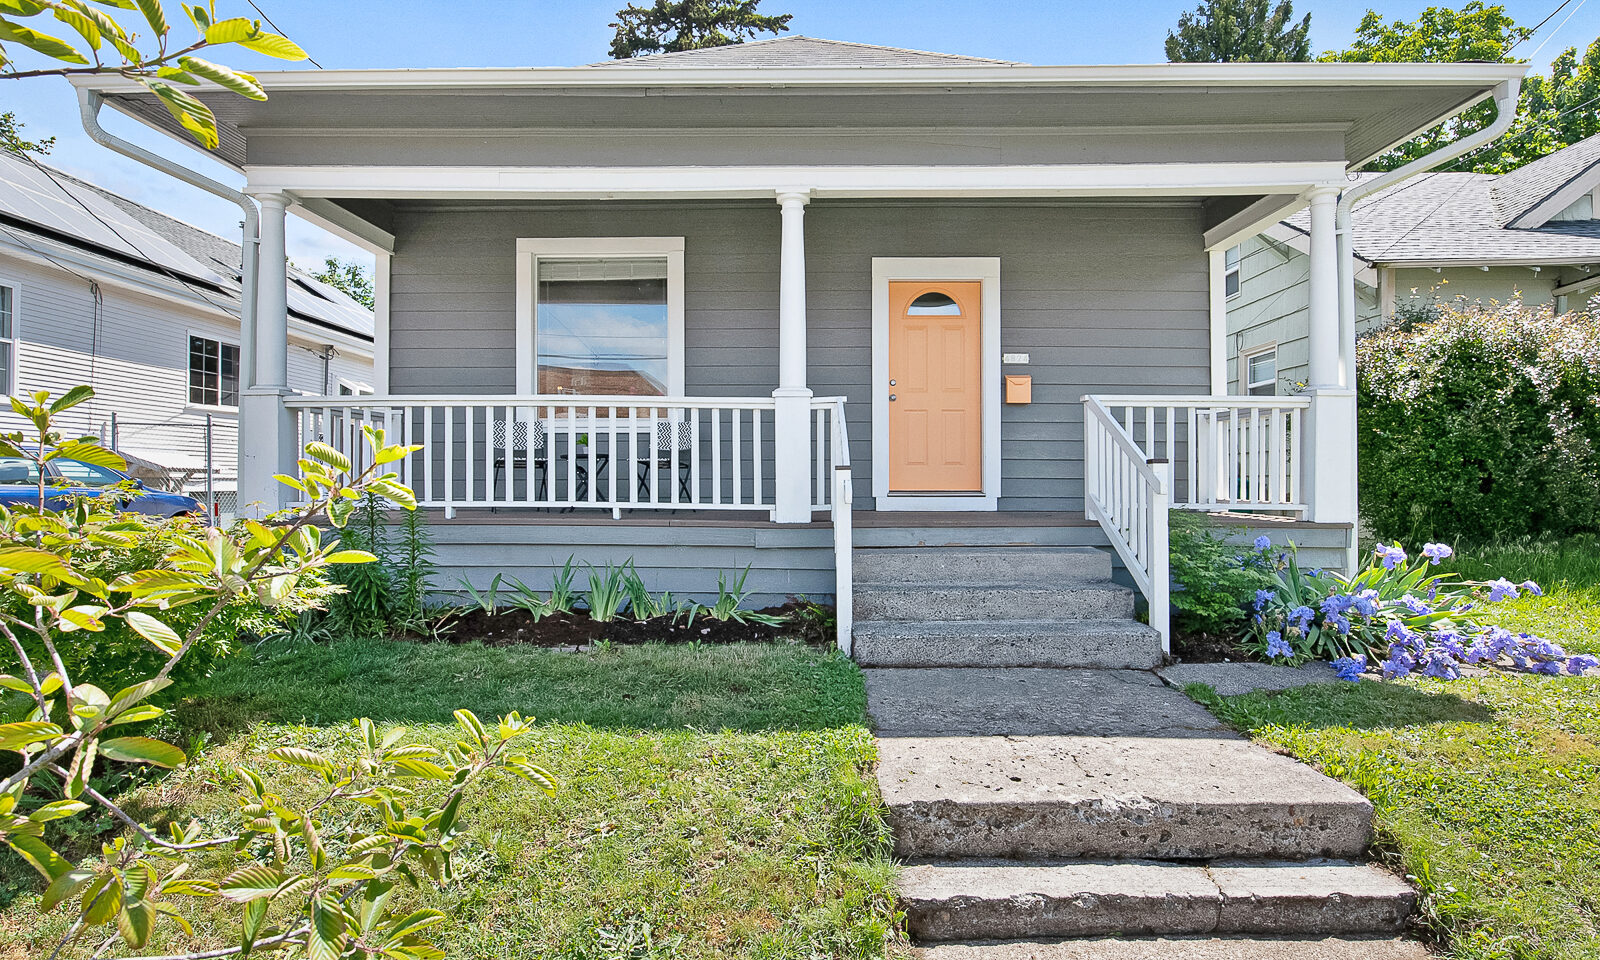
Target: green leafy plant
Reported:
[(608, 595), (109, 47), (646, 606), (563, 599), (487, 599), (527, 599), (731, 602), (1213, 582), (329, 896)]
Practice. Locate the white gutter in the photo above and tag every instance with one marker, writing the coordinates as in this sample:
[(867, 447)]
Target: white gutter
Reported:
[(1505, 99), (89, 104)]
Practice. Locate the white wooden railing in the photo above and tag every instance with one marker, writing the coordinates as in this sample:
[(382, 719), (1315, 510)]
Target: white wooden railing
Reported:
[(1128, 493), (843, 536), (1227, 453), (570, 452)]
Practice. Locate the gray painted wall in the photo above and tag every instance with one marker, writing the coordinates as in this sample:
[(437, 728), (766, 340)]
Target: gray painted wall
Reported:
[(1105, 297)]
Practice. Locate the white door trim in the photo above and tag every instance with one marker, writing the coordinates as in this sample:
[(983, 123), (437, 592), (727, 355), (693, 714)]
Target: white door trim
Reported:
[(987, 271)]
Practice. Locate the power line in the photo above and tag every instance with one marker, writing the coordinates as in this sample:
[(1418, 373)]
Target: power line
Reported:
[(1507, 50), (1545, 125), (1557, 30), (318, 65)]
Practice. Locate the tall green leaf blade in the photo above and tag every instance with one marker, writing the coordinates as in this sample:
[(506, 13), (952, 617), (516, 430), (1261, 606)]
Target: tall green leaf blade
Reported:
[(40, 42)]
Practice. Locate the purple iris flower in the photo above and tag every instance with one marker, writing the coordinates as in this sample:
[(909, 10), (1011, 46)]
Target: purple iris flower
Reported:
[(1392, 556), (1351, 668), (1278, 647), (1502, 589), (1532, 588), (1263, 543), (1578, 663), (1302, 616), (1398, 666), (1415, 606), (1263, 597), (1440, 666), (1436, 552)]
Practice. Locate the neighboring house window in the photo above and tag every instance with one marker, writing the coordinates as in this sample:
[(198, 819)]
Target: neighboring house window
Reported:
[(1230, 273), (1260, 372), (349, 388), (601, 317), (8, 339), (213, 373)]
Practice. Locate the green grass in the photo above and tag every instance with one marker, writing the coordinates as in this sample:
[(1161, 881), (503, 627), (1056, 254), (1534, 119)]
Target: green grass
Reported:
[(714, 802), (1487, 789), (1569, 573)]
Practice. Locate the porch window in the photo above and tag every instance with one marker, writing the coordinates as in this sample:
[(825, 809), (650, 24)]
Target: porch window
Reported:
[(1230, 270), (601, 316), (213, 373), (1261, 372)]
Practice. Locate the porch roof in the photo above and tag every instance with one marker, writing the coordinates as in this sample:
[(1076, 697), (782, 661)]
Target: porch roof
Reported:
[(1373, 105)]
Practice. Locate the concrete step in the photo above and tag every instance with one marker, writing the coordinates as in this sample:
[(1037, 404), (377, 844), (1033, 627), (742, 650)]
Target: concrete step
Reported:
[(1082, 600), (980, 566), (1106, 644), (1184, 948), (1134, 795), (998, 901)]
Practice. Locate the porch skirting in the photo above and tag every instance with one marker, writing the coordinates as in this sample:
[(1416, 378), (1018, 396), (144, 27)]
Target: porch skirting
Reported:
[(685, 552)]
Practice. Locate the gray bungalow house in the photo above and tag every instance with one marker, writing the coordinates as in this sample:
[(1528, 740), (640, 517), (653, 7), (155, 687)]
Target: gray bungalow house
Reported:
[(801, 304), (1529, 235)]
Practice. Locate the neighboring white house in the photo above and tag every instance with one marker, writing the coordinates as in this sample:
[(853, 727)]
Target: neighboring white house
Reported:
[(99, 290), (1530, 235)]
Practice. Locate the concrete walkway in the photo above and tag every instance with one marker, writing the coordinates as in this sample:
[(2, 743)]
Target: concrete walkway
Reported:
[(1042, 808)]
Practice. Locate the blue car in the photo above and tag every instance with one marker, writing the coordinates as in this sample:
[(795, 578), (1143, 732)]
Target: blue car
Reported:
[(19, 484)]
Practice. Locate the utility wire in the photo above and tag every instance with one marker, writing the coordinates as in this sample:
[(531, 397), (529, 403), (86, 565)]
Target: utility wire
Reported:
[(1508, 50), (319, 66), (1557, 30)]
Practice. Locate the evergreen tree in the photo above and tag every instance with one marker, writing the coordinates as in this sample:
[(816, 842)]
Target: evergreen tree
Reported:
[(672, 25), (1232, 31)]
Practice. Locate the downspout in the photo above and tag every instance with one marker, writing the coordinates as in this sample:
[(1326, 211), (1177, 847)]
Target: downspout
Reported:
[(1505, 98), (89, 104)]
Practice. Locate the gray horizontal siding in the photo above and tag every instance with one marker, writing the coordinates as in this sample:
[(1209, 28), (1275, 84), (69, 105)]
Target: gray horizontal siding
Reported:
[(1107, 298)]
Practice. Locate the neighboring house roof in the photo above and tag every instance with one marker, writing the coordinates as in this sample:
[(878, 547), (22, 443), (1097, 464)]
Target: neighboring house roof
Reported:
[(1518, 195), (1457, 217), (799, 51), (48, 203)]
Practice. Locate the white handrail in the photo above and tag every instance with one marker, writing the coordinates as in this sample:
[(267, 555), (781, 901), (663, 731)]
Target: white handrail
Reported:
[(1128, 494), (843, 535)]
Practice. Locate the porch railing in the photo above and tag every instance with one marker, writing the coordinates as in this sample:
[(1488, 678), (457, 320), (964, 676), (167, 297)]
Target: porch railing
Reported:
[(1227, 453), (1128, 494), (560, 452)]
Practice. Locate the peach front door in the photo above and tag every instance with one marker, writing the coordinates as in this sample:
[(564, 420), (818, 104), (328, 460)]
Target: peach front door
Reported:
[(935, 393)]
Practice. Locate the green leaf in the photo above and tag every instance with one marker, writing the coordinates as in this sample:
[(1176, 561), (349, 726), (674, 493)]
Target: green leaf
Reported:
[(31, 560), (320, 451), (40, 42), (39, 854), (88, 29), (153, 15), (103, 900), (254, 913), (232, 30), (92, 453), (224, 77), (190, 113), (142, 750), (191, 887), (82, 768), (65, 887), (302, 757), (533, 773), (326, 940), (137, 715), (274, 46), (128, 696), (350, 556), (412, 924), (23, 733), (351, 872), (22, 8), (447, 816), (15, 683), (251, 882), (469, 722), (58, 810), (161, 636), (422, 768)]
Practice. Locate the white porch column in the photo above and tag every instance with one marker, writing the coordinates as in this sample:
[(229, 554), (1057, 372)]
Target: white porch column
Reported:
[(266, 430), (792, 417), (1330, 442)]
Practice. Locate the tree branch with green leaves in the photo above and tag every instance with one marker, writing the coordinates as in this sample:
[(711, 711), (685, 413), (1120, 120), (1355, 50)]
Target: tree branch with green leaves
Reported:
[(328, 897), (152, 58)]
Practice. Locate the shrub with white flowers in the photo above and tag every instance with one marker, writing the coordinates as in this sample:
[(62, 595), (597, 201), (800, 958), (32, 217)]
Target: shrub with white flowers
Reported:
[(1397, 617)]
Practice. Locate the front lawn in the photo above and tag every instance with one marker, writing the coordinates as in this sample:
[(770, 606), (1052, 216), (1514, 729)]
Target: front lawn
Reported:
[(1569, 574), (715, 801), (1487, 789)]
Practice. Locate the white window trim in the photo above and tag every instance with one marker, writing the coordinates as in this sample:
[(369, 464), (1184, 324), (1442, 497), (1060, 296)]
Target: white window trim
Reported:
[(14, 374), (357, 388), (1234, 270), (188, 398), (987, 271), (1245, 356), (531, 249)]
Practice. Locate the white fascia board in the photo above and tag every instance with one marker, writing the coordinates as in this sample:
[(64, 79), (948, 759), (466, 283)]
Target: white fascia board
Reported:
[(1275, 75), (1476, 262), (308, 332), (1064, 180), (1541, 212), (1252, 220)]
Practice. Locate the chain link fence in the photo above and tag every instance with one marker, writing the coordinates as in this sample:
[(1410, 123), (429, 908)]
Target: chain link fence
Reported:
[(195, 455)]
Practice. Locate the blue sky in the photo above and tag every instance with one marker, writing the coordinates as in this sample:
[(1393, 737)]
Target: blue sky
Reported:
[(412, 33)]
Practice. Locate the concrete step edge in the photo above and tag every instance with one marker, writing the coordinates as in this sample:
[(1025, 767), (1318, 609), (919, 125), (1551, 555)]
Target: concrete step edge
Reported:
[(1183, 948)]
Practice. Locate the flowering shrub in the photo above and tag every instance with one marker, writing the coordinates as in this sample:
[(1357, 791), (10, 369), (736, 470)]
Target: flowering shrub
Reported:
[(1396, 616), (1480, 425)]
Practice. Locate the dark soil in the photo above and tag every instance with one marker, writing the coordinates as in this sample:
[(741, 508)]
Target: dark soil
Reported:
[(1205, 648), (510, 627)]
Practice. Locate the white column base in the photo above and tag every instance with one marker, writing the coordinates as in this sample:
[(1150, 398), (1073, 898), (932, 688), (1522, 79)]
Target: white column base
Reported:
[(267, 446), (1330, 452), (791, 455)]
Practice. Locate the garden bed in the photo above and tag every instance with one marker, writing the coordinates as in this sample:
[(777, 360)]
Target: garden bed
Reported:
[(516, 627)]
